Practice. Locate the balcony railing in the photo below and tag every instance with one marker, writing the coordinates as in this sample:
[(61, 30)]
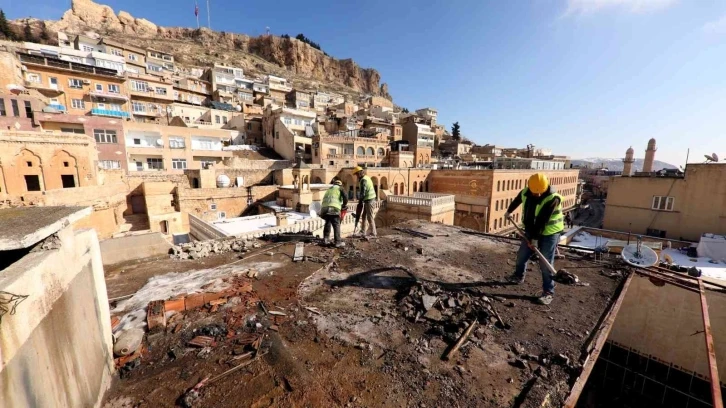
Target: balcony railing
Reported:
[(57, 106), (43, 87), (107, 112), (59, 63), (423, 201), (108, 95), (147, 112)]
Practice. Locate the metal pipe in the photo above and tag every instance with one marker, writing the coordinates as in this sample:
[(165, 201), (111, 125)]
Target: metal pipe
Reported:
[(712, 367)]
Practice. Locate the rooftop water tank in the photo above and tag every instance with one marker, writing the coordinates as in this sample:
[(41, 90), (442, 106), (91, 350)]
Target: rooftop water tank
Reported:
[(223, 181)]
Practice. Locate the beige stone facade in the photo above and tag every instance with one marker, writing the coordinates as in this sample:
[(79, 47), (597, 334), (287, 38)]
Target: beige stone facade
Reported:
[(354, 147), (672, 207)]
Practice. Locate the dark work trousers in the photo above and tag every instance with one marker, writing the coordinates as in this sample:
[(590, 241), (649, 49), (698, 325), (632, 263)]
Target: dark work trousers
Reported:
[(334, 221)]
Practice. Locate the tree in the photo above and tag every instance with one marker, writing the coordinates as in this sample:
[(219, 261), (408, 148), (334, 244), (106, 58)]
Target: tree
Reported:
[(404, 110), (28, 32), (5, 27), (456, 131), (44, 37)]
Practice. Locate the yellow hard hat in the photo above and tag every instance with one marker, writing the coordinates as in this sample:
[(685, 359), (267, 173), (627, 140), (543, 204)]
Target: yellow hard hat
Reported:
[(357, 169), (538, 183)]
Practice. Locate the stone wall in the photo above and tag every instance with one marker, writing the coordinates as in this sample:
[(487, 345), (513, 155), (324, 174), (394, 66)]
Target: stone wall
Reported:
[(133, 247), (57, 347)]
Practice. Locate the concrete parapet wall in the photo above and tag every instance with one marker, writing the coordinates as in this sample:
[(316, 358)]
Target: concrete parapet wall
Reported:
[(203, 230), (132, 247), (56, 350)]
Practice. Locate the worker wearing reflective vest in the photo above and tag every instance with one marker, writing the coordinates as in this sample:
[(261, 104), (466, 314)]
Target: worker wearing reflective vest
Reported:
[(333, 206), (367, 196), (543, 223)]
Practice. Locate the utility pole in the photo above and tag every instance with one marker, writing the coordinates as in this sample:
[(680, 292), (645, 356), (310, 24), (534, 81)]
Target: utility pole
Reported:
[(209, 20)]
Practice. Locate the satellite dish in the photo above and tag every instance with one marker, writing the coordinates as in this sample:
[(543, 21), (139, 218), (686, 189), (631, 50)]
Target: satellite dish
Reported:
[(639, 255), (711, 158), (160, 142), (239, 108), (714, 156), (315, 208)]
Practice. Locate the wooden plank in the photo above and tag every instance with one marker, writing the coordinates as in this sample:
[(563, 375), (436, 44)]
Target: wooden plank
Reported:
[(711, 352), (600, 339), (299, 252)]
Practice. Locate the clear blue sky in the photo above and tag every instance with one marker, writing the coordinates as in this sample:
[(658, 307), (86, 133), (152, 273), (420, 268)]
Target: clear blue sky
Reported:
[(583, 77)]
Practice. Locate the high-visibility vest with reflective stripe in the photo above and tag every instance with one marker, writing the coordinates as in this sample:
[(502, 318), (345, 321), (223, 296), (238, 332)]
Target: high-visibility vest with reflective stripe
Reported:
[(556, 222), (333, 198), (366, 185)]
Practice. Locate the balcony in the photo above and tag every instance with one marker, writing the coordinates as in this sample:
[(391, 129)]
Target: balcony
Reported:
[(43, 88), (152, 94), (145, 150), (280, 87), (148, 112), (108, 95), (112, 113), (57, 106), (341, 156), (66, 65)]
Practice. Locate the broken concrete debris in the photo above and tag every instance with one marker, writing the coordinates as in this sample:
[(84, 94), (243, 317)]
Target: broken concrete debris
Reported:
[(128, 342), (202, 249)]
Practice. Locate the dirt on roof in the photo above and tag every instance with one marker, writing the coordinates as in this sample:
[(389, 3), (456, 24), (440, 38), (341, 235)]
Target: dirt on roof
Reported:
[(369, 325)]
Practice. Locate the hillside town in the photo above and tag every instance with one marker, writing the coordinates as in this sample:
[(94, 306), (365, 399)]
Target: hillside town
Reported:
[(166, 237)]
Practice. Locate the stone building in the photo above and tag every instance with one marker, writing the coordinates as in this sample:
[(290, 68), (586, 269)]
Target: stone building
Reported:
[(677, 206), (363, 147), (289, 131)]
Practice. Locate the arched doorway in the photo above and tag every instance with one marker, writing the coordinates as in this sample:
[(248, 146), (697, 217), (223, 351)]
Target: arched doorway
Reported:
[(426, 185), (420, 186), (384, 183), (30, 171), (395, 188), (415, 187), (318, 180), (375, 184)]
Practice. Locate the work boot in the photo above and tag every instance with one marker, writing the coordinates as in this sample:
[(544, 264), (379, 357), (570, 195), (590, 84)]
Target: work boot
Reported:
[(340, 244), (326, 242), (545, 299), (515, 279)]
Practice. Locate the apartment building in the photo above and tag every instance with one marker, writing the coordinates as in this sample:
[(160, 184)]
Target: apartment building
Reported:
[(278, 88), (322, 100), (428, 114), (159, 63), (299, 99), (135, 57), (253, 131), (151, 96), (362, 147), (668, 204), (483, 196), (75, 87), (394, 131), (192, 91), (289, 131), (151, 147)]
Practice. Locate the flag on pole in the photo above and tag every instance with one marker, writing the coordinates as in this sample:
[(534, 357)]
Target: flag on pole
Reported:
[(196, 9)]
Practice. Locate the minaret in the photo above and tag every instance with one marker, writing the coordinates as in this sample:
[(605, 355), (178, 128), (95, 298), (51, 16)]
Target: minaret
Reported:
[(649, 157), (628, 162)]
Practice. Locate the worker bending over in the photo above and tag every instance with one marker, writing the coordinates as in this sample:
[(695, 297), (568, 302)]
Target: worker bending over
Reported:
[(543, 223), (367, 196), (333, 204)]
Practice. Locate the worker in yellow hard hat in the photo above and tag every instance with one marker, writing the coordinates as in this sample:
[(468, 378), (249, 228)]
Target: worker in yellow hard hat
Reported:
[(366, 198), (543, 223)]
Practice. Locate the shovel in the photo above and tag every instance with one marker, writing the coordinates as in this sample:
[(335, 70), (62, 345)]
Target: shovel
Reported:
[(542, 259)]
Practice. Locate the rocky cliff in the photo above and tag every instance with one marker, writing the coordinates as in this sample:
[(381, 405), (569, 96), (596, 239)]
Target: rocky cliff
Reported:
[(264, 54)]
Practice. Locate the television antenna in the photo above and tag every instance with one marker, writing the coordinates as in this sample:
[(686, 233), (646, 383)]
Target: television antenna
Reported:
[(711, 158), (639, 255), (267, 30)]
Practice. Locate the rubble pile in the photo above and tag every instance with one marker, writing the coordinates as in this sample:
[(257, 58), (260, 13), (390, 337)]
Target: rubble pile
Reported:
[(202, 249)]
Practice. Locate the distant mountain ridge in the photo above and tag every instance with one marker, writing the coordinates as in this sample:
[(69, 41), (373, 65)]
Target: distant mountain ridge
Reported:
[(617, 164)]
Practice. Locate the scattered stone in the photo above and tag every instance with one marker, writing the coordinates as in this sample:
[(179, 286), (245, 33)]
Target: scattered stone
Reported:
[(542, 372), (428, 301)]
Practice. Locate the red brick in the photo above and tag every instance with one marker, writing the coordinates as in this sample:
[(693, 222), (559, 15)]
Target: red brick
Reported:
[(201, 341), (156, 315), (176, 304), (193, 301), (218, 302), (212, 296)]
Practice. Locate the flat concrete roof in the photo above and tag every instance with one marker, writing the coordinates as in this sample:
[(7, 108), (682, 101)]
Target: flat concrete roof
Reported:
[(22, 227)]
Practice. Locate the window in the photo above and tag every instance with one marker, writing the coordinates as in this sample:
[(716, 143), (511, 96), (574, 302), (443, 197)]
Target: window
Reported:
[(249, 125), (34, 78), (101, 106), (104, 136), (179, 164), (28, 109), (298, 122), (137, 141), (277, 135), (78, 104), (381, 152), (216, 118), (32, 183), (499, 184), (109, 164), (114, 107), (113, 88), (361, 151), (138, 106), (14, 104), (75, 83), (662, 203), (176, 143), (205, 145), (155, 68), (139, 86), (99, 87), (132, 57), (86, 48), (288, 121), (213, 206), (116, 52), (332, 151), (72, 130), (2, 107), (155, 164), (68, 180), (160, 91), (224, 120)]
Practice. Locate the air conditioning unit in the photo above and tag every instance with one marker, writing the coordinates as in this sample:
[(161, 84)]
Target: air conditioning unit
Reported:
[(86, 82)]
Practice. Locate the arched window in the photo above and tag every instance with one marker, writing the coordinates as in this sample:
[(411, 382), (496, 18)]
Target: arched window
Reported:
[(509, 185), (381, 152), (498, 185), (496, 206), (395, 188), (361, 151), (371, 152), (415, 187), (495, 224)]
